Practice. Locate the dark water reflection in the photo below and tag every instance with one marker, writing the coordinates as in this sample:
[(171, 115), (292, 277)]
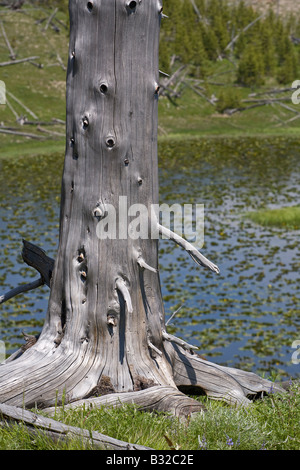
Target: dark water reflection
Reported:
[(248, 315)]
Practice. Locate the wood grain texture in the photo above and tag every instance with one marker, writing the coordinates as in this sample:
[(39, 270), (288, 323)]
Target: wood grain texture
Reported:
[(105, 324), (158, 398), (105, 312)]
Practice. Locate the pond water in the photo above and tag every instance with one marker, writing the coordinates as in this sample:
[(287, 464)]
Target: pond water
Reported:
[(247, 316)]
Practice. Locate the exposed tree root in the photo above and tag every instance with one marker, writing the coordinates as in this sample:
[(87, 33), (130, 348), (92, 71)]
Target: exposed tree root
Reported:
[(49, 377), (195, 375), (57, 431), (40, 372), (157, 398)]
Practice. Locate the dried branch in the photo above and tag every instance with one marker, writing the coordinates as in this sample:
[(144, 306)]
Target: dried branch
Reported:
[(11, 51), (272, 92), (19, 61), (196, 10), (212, 102), (61, 62), (21, 289), (265, 100), (41, 129), (242, 31), (168, 81), (288, 120), (37, 259), (173, 339), (173, 315), (22, 105), (192, 251), (156, 398), (123, 289), (12, 109), (54, 122), (142, 263), (50, 19), (154, 348), (288, 107), (59, 431), (23, 134)]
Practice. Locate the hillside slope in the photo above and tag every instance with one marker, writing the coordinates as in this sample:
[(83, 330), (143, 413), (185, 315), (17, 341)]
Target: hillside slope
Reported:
[(33, 119), (281, 7)]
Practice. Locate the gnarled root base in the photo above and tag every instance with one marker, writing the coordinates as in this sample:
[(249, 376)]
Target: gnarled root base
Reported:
[(195, 375), (41, 380), (156, 398), (49, 368)]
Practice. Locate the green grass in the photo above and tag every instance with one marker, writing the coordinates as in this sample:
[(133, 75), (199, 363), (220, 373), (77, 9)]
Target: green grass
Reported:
[(285, 217), (272, 423), (268, 424)]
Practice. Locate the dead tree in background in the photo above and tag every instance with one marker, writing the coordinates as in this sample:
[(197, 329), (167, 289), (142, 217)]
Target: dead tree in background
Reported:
[(105, 326)]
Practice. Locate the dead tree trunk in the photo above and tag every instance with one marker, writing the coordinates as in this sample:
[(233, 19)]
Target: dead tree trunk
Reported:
[(105, 328)]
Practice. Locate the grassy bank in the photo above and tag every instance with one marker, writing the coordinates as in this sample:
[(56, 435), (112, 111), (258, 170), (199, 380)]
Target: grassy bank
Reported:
[(284, 217), (268, 424)]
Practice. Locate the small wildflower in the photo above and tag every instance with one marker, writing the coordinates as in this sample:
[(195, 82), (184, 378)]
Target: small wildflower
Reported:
[(202, 443), (229, 441), (263, 447)]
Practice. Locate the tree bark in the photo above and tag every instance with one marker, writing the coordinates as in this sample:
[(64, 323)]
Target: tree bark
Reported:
[(105, 324)]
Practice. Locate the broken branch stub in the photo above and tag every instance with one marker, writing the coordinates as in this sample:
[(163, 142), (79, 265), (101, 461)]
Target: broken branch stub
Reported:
[(192, 251)]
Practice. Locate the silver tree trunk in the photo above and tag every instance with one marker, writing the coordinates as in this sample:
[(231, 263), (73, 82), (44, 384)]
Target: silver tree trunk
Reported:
[(105, 329)]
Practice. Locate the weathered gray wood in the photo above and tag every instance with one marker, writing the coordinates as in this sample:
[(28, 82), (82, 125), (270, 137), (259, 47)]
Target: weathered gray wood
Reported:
[(11, 51), (12, 109), (22, 104), (19, 61), (51, 17), (248, 26), (21, 290), (23, 134), (161, 399), (105, 324), (192, 251), (194, 375), (92, 329), (35, 257), (56, 430)]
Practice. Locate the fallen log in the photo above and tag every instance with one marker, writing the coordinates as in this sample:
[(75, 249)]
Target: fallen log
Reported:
[(51, 17), (11, 51), (19, 61), (22, 105), (56, 430), (23, 134), (158, 398)]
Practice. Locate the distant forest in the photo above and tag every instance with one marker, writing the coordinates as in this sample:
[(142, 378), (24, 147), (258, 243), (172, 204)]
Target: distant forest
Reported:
[(200, 32)]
